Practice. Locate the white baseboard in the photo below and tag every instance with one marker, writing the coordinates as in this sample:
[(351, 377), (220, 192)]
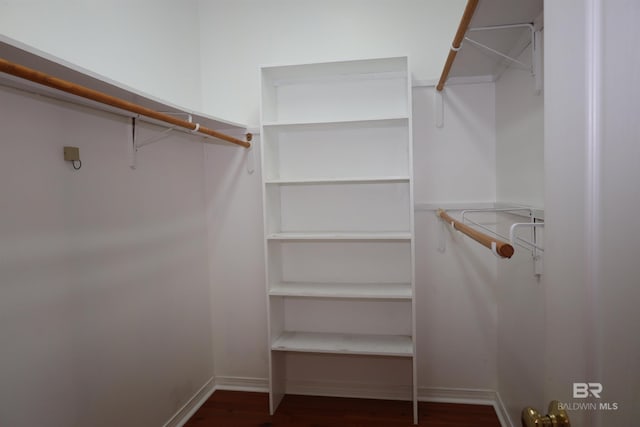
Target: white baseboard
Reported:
[(183, 414), (242, 384), (503, 414), (457, 395), (344, 389)]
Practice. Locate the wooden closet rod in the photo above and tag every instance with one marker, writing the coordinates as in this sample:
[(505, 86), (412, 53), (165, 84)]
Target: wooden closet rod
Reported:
[(457, 41), (94, 95), (503, 249)]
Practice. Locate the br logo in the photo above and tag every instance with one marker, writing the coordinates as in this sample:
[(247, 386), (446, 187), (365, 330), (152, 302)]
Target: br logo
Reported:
[(584, 390)]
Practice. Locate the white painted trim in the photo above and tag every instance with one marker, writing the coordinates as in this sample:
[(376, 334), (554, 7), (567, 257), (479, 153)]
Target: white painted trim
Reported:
[(397, 392), (345, 389), (457, 395), (183, 414), (593, 178), (469, 397), (501, 411), (363, 390), (242, 384)]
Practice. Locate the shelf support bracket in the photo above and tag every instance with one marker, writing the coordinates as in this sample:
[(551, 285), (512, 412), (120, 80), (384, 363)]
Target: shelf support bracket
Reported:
[(536, 52), (136, 145), (131, 145), (250, 157), (167, 131), (492, 50), (536, 249)]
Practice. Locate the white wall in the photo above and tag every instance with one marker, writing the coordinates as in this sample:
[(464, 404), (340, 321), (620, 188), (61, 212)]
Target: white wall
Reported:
[(150, 45), (456, 304), (521, 328), (520, 180), (236, 264), (238, 36), (619, 235), (92, 319), (520, 137), (104, 296), (456, 163), (456, 307), (591, 152), (568, 353)]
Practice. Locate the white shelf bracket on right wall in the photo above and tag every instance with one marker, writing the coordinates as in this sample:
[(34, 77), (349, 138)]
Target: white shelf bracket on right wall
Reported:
[(533, 244)]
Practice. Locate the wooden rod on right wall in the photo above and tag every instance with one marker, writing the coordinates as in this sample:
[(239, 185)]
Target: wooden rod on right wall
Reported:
[(457, 41), (503, 249)]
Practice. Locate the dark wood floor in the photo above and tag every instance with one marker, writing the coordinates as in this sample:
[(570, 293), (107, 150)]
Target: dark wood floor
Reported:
[(242, 409)]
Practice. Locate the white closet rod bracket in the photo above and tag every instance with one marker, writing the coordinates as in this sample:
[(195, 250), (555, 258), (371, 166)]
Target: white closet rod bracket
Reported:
[(484, 46), (135, 145), (507, 27), (532, 245), (513, 238), (499, 248), (494, 250), (536, 52), (536, 250), (166, 132)]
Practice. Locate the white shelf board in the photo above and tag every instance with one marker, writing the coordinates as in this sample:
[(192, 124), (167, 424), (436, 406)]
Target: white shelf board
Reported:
[(20, 53), (363, 344), (391, 75), (360, 68), (343, 290), (338, 180), (329, 235), (358, 121)]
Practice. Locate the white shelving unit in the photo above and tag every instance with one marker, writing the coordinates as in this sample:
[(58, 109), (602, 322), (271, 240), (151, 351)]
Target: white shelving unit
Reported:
[(338, 213)]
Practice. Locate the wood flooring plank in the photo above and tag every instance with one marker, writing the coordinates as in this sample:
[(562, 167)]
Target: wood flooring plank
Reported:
[(248, 409)]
